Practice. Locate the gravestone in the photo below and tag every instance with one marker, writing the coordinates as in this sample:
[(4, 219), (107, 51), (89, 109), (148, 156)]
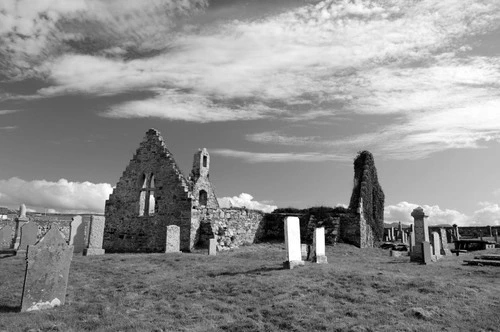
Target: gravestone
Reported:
[(411, 243), (436, 245), (456, 233), (212, 247), (29, 234), (5, 237), (400, 232), (319, 246), (496, 235), (96, 235), (391, 233), (445, 251), (292, 243), (77, 234), (421, 231), (47, 270), (425, 247), (173, 239)]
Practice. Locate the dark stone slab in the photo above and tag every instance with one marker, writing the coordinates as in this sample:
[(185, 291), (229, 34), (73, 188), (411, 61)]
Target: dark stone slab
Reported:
[(426, 252), (29, 233), (47, 270), (5, 237)]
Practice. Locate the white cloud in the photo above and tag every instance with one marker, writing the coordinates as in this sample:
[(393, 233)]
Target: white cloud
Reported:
[(245, 200), (9, 128), (62, 195), (488, 214), (3, 112), (262, 157)]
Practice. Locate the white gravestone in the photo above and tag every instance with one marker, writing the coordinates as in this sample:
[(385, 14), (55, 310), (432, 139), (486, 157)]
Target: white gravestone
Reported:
[(319, 246), (212, 247), (292, 243), (77, 234), (436, 245), (173, 239)]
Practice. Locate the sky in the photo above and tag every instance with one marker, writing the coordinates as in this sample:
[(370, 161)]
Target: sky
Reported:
[(282, 93)]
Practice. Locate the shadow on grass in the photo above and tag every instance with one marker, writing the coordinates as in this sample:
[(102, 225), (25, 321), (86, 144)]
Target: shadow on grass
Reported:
[(9, 308), (255, 271)]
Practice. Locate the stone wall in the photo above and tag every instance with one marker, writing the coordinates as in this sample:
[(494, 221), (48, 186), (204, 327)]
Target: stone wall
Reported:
[(468, 231), (231, 227), (126, 229)]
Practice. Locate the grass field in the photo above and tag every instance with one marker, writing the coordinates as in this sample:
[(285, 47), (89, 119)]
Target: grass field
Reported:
[(247, 290)]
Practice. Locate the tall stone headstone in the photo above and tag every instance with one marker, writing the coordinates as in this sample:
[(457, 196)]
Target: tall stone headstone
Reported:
[(47, 270), (96, 235), (319, 246), (292, 243), (496, 235), (421, 231), (5, 237), (456, 233), (77, 234), (425, 248), (400, 232), (173, 239), (29, 234), (212, 247), (436, 245), (391, 232), (445, 251)]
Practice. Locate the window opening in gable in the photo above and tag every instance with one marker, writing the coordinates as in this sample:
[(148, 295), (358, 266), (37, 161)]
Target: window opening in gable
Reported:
[(203, 198), (147, 201)]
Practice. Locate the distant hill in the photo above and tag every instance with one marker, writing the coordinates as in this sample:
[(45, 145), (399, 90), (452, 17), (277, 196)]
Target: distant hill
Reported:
[(4, 210)]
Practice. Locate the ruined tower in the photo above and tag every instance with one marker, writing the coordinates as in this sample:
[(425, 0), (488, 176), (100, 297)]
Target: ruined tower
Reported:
[(368, 192), (152, 194)]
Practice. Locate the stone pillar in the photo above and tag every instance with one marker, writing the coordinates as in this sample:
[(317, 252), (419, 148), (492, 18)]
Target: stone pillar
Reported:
[(21, 220), (96, 236), (391, 232), (212, 247), (421, 231), (436, 245), (445, 251), (319, 246), (77, 234), (456, 233), (490, 231), (173, 239), (400, 231), (292, 243), (496, 235)]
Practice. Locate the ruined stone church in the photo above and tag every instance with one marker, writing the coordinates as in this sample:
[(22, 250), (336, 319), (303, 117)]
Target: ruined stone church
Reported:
[(152, 194)]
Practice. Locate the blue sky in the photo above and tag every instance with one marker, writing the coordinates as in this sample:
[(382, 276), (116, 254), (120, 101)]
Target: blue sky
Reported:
[(283, 94)]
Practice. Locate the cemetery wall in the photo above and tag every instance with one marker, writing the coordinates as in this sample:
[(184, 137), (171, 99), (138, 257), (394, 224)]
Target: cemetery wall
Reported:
[(468, 231), (231, 227)]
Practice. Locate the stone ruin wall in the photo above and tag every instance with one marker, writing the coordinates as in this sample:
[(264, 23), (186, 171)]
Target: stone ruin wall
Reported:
[(231, 227), (125, 229), (63, 224)]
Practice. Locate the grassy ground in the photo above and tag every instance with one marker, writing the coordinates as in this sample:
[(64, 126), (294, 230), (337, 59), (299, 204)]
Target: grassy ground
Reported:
[(247, 290)]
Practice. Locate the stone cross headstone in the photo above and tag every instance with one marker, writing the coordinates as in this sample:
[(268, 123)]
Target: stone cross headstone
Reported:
[(29, 234), (77, 234), (436, 245), (292, 243), (319, 246), (173, 240), (445, 251), (212, 247), (426, 252), (96, 236), (47, 272), (5, 237), (421, 231)]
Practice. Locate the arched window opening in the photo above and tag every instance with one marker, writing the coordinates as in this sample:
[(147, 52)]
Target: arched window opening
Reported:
[(203, 198), (205, 159), (147, 202)]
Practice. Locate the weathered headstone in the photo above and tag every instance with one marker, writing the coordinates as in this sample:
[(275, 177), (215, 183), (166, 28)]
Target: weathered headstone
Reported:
[(77, 234), (425, 248), (411, 243), (5, 237), (212, 247), (400, 232), (421, 231), (319, 246), (29, 234), (445, 251), (496, 235), (96, 235), (292, 243), (391, 232), (47, 270), (436, 245), (173, 240), (456, 233), (22, 211)]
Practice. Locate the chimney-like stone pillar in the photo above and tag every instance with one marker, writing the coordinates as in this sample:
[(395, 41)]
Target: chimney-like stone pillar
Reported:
[(421, 231)]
